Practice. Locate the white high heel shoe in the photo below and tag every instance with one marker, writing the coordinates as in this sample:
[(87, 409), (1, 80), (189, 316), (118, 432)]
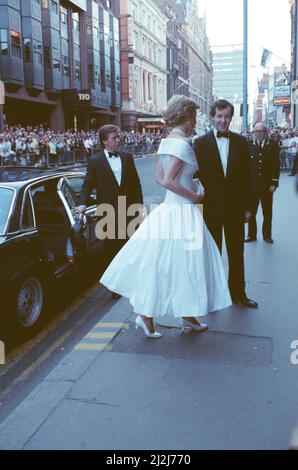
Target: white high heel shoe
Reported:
[(141, 324), (187, 325)]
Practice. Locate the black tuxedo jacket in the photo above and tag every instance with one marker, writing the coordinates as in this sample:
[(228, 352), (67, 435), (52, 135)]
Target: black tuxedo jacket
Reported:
[(264, 165), (226, 198), (101, 177)]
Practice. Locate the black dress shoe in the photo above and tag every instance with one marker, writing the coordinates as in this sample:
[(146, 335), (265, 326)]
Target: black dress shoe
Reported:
[(245, 302), (115, 296), (250, 239), (268, 240)]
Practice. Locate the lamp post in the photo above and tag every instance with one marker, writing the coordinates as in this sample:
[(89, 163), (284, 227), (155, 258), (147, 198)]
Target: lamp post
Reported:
[(245, 64)]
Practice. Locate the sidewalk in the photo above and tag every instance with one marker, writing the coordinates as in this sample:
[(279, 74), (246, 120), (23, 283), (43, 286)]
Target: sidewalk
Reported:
[(232, 387)]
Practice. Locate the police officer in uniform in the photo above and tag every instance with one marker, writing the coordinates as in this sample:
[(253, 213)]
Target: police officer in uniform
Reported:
[(264, 172)]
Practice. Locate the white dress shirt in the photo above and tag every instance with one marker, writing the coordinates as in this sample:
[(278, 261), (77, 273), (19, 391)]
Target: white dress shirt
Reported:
[(223, 145), (116, 166)]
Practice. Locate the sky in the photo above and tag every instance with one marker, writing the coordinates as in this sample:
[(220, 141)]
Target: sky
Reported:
[(269, 26)]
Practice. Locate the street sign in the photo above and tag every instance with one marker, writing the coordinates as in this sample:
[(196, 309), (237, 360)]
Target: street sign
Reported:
[(282, 91), (281, 101)]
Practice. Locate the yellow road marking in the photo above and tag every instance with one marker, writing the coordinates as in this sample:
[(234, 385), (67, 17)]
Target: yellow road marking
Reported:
[(112, 325), (101, 335), (93, 347)]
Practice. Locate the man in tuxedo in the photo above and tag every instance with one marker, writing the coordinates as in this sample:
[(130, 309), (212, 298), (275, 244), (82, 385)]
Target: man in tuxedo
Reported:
[(264, 173), (223, 162), (112, 174)]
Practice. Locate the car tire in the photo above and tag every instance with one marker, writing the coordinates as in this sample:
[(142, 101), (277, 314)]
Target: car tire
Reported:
[(28, 303)]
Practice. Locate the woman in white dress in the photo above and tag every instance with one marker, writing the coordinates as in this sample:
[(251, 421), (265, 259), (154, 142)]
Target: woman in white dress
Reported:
[(171, 265)]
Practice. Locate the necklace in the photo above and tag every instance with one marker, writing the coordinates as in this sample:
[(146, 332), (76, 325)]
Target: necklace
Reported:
[(179, 131)]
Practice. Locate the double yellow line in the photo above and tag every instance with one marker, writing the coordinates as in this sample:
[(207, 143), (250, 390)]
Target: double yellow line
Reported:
[(100, 332)]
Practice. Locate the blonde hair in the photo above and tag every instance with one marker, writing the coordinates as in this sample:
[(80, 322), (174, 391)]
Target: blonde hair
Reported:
[(178, 110)]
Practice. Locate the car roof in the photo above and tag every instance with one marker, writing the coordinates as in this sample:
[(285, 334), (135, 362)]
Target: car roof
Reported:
[(16, 176)]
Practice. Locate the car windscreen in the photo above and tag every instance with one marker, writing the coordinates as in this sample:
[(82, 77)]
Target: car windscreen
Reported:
[(6, 198)]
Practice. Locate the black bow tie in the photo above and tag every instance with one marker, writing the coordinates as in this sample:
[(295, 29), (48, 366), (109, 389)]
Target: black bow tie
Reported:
[(113, 154), (223, 134)]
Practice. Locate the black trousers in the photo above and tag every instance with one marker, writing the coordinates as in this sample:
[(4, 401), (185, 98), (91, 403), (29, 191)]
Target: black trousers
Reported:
[(266, 199), (294, 168), (234, 236)]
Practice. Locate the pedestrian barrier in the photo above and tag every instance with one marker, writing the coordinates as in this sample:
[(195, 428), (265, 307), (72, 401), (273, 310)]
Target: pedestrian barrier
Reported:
[(72, 157)]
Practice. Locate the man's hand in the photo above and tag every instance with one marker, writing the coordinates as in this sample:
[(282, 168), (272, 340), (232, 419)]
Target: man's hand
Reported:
[(198, 199), (247, 216), (80, 209), (272, 189)]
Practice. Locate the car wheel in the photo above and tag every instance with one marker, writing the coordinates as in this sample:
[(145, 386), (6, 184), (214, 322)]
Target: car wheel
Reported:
[(29, 301)]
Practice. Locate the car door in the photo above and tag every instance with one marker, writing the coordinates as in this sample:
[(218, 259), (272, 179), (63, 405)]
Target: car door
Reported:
[(69, 187)]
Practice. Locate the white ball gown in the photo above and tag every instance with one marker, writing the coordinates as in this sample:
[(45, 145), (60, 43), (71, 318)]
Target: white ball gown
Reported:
[(171, 265)]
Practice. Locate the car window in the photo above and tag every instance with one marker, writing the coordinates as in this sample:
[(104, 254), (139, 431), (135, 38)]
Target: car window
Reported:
[(27, 216), (67, 193), (6, 198), (76, 183)]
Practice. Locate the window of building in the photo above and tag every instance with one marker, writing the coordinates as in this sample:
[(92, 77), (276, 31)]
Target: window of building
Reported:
[(159, 60), (77, 61), (108, 79), (37, 52), (154, 53), (54, 7), (15, 39), (76, 22), (63, 15), (65, 57), (96, 75), (88, 25), (4, 41), (101, 34), (56, 59), (27, 50), (117, 83)]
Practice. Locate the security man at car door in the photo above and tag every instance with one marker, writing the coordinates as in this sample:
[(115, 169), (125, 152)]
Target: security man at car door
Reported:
[(113, 174), (264, 172)]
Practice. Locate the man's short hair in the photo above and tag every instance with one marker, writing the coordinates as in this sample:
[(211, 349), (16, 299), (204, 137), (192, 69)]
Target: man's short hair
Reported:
[(105, 131), (220, 105)]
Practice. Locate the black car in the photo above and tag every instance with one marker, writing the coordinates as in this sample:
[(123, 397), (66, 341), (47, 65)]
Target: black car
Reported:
[(41, 239)]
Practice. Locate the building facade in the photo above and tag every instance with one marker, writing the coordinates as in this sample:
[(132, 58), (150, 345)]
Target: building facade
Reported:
[(143, 64), (228, 78), (169, 8), (200, 75), (60, 62)]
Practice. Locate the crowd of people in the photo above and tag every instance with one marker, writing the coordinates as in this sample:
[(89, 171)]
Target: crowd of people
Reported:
[(39, 146)]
